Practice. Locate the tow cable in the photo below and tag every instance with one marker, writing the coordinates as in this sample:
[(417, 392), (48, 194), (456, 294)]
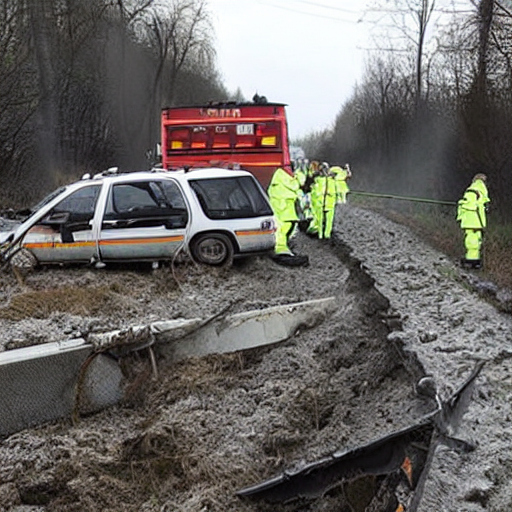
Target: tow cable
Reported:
[(403, 198)]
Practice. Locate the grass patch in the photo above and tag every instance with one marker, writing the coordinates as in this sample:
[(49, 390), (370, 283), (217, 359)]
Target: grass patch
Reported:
[(69, 299), (436, 225)]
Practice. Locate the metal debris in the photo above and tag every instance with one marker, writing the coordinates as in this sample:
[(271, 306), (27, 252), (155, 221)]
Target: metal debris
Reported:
[(394, 466)]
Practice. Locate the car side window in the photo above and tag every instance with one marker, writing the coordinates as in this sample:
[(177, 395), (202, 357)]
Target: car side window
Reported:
[(78, 208), (74, 213), (132, 198), (146, 204), (173, 194)]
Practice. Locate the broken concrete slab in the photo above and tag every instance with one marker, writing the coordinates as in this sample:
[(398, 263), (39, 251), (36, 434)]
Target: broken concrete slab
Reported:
[(39, 383), (54, 380), (246, 330)]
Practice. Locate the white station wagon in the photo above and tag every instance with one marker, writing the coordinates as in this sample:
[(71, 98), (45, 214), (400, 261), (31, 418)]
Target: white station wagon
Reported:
[(215, 215)]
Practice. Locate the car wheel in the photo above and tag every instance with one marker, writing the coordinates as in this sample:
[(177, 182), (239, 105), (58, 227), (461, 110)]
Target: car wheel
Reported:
[(213, 249)]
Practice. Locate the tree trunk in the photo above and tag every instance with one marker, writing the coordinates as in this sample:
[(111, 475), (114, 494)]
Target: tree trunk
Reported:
[(485, 18), (40, 19)]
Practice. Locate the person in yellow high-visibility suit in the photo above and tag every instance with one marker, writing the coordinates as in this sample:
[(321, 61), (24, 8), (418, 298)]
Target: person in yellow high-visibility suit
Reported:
[(284, 193), (323, 201), (472, 215), (307, 202), (341, 175), (301, 170)]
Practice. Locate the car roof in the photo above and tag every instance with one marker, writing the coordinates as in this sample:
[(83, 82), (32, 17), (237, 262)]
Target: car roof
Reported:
[(180, 175)]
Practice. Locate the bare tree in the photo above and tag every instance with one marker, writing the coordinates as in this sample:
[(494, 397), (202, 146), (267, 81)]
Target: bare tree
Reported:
[(41, 23), (179, 35), (501, 40), (18, 99), (410, 19), (180, 41), (421, 12), (82, 83)]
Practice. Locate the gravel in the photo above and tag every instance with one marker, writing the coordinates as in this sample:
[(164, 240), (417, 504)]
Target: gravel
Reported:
[(210, 426)]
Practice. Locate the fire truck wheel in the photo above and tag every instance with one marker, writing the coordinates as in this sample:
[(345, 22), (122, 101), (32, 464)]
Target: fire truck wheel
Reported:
[(213, 249)]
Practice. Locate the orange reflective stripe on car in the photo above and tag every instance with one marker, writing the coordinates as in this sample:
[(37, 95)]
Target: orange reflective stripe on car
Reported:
[(58, 245), (119, 241), (142, 240), (254, 232)]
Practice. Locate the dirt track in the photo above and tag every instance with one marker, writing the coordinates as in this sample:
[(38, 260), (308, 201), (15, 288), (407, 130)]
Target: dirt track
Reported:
[(211, 426)]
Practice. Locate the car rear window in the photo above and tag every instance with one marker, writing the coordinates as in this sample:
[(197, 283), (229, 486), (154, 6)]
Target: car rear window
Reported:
[(231, 198)]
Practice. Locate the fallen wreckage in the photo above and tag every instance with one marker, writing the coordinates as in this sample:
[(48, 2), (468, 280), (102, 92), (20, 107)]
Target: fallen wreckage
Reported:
[(386, 475)]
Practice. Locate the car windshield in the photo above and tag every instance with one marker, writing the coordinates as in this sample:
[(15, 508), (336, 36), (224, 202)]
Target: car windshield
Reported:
[(231, 198)]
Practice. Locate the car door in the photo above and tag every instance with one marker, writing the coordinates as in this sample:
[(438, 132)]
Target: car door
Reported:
[(65, 233), (143, 220)]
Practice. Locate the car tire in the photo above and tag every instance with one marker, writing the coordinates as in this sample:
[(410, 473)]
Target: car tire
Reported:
[(214, 249)]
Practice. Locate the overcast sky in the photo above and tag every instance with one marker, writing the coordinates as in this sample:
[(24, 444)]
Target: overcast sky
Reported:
[(308, 54)]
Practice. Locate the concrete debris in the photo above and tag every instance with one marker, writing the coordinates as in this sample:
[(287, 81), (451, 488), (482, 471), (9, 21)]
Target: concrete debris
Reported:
[(55, 380)]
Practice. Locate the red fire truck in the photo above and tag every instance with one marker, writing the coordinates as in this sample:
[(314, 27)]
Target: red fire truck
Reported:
[(251, 136)]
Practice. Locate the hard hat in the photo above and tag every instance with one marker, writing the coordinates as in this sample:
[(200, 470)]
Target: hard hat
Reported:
[(480, 176)]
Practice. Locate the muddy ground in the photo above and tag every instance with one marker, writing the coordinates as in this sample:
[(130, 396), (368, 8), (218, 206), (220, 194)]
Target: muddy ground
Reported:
[(213, 425)]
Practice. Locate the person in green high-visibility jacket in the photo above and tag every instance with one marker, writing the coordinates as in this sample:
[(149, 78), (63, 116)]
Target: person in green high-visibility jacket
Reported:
[(472, 215), (284, 192)]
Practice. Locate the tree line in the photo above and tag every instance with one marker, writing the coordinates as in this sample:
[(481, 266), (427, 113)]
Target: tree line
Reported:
[(82, 84), (430, 113)]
